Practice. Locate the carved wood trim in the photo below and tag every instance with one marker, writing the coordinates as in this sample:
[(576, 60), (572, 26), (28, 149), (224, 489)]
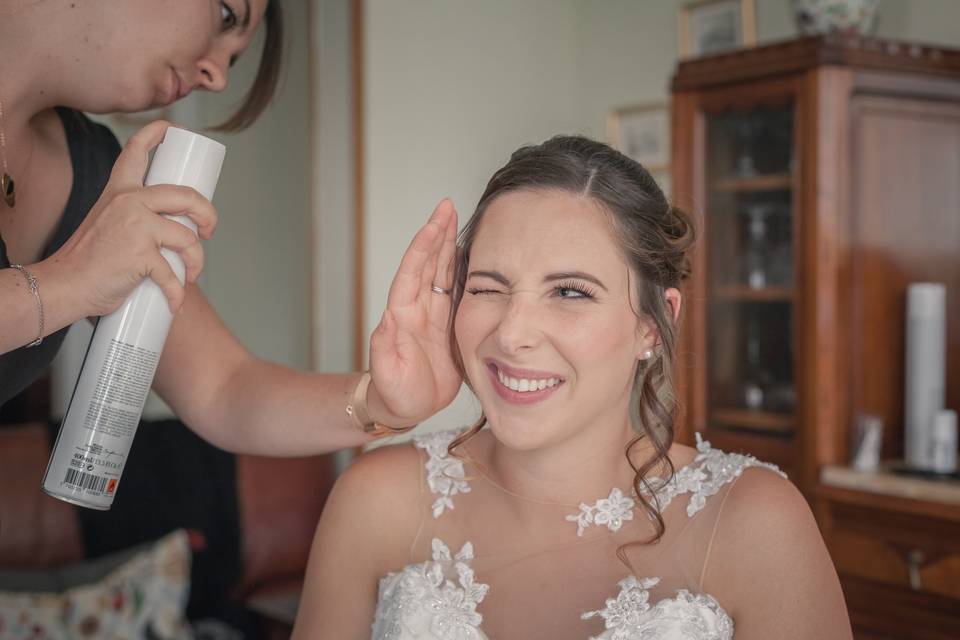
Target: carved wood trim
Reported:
[(798, 55)]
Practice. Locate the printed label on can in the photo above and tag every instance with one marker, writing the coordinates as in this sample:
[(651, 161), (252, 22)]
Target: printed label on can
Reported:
[(100, 425)]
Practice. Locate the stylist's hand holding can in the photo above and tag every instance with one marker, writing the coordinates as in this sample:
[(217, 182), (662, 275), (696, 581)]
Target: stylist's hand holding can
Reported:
[(118, 244)]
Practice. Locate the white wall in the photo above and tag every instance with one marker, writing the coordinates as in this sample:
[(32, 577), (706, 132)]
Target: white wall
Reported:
[(453, 86)]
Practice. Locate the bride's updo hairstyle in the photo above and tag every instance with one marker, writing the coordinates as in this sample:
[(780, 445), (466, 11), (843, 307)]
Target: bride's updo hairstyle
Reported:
[(654, 238)]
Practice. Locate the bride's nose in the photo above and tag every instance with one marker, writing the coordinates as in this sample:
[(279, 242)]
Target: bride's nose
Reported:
[(519, 327)]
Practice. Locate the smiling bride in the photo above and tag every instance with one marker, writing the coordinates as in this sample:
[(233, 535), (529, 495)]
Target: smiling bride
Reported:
[(573, 514)]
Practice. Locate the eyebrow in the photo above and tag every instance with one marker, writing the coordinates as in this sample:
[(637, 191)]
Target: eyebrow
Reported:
[(552, 277)]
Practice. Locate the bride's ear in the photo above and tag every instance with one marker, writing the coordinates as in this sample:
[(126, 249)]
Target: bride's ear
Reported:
[(673, 299), (648, 335)]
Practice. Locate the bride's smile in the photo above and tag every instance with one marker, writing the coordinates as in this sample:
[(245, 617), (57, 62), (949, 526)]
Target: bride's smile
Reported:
[(522, 386)]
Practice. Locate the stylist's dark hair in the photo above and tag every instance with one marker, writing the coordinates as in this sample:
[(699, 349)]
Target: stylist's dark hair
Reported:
[(654, 238), (268, 74)]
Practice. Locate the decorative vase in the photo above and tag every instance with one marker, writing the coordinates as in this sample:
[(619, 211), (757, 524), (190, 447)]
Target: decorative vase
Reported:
[(816, 17)]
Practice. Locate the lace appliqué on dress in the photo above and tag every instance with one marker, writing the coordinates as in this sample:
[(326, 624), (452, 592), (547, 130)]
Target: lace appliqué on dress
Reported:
[(630, 616), (708, 472), (421, 599), (611, 511), (445, 475)]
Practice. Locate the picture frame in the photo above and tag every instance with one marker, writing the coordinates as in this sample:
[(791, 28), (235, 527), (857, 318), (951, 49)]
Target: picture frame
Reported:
[(642, 132), (709, 27)]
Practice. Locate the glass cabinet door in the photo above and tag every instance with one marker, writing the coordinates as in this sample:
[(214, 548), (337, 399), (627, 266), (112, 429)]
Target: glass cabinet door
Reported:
[(751, 244)]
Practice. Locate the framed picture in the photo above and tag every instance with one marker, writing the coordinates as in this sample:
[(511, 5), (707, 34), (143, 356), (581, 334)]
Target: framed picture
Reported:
[(642, 132), (715, 26)]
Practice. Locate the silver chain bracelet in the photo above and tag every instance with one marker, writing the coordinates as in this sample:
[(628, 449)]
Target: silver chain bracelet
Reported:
[(35, 290)]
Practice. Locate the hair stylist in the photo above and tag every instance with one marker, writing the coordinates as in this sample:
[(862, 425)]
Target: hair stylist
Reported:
[(78, 230)]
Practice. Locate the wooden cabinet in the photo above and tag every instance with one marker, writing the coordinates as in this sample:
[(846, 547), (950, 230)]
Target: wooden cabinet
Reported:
[(898, 558), (825, 176)]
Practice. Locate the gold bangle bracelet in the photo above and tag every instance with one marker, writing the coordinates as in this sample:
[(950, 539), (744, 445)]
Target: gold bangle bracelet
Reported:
[(360, 416)]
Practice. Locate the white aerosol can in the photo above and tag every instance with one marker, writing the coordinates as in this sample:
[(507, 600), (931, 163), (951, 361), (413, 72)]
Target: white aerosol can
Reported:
[(101, 420)]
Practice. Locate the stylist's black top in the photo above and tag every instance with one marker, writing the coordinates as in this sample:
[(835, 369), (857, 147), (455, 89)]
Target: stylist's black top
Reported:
[(93, 150)]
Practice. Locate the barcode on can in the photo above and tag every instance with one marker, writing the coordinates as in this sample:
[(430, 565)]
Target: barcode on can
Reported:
[(85, 480)]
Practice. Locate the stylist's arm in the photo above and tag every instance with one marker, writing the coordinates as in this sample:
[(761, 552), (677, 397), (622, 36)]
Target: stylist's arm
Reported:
[(245, 404)]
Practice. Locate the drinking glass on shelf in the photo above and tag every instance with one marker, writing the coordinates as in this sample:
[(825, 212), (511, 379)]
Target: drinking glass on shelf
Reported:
[(756, 378), (756, 252), (745, 129)]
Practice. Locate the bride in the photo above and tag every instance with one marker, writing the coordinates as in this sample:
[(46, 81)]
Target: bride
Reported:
[(574, 514)]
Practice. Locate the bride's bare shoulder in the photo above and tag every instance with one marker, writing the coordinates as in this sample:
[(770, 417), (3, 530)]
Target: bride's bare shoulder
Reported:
[(386, 479), (767, 531)]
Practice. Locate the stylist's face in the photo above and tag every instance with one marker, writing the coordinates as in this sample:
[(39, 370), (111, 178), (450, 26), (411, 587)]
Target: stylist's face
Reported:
[(154, 52)]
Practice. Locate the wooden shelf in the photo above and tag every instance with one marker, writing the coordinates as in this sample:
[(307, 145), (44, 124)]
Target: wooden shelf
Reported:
[(772, 182), (749, 294), (756, 420)]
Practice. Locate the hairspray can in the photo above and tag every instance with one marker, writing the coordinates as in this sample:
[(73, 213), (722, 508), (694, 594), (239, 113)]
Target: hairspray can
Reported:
[(101, 419)]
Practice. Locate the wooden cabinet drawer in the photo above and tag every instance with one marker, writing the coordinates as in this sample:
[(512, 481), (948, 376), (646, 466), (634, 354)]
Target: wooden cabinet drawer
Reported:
[(913, 552)]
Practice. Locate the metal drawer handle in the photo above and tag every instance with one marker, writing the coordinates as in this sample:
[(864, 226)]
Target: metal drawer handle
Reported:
[(914, 562)]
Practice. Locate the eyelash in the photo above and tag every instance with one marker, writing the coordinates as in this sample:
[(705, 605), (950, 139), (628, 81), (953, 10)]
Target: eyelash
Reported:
[(586, 293), (228, 17)]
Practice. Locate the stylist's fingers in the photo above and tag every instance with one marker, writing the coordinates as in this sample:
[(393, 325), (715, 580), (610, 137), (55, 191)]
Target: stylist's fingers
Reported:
[(161, 273), (185, 242), (131, 164), (177, 200)]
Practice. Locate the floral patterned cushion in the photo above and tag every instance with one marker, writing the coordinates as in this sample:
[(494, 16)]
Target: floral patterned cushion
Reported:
[(145, 597)]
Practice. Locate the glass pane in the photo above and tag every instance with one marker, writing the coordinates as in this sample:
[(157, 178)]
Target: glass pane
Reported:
[(751, 356), (750, 237)]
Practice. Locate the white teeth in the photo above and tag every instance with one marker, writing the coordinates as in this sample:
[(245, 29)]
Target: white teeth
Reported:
[(525, 385)]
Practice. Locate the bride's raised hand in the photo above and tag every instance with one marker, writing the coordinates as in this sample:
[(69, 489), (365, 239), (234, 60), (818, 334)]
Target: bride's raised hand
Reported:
[(412, 371)]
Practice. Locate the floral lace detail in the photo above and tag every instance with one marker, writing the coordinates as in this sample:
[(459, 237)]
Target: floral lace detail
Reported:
[(632, 601), (611, 511), (422, 599), (708, 472), (630, 616), (445, 475)]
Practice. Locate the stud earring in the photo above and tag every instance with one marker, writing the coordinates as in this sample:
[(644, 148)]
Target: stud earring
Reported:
[(646, 355)]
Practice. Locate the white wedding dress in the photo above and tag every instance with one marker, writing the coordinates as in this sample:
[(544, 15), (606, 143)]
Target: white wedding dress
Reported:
[(524, 569)]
